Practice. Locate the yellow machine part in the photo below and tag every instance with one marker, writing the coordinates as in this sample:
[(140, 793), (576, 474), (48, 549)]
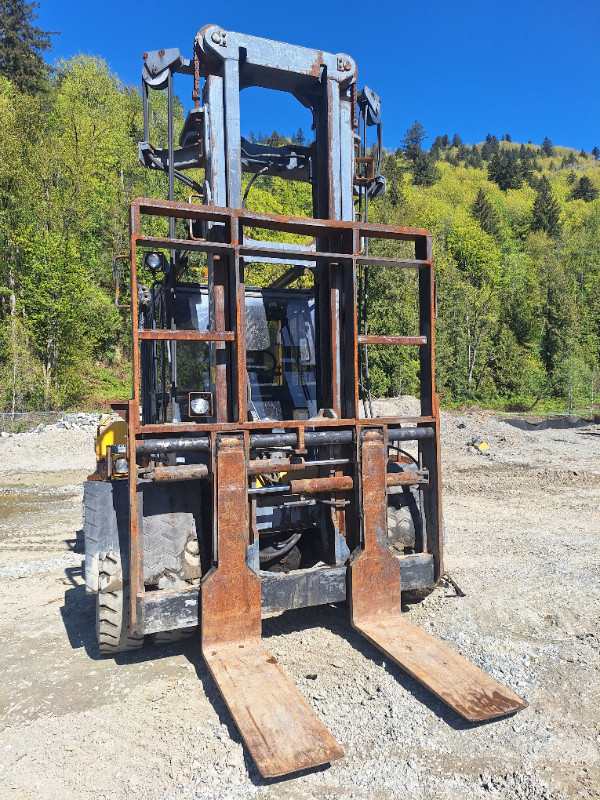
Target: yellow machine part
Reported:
[(111, 430)]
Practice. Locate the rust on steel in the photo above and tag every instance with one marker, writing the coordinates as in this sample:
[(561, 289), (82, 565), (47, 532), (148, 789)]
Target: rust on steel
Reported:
[(470, 691), (318, 485), (281, 731), (300, 225), (180, 472), (406, 478), (375, 573), (264, 466), (186, 336), (191, 427)]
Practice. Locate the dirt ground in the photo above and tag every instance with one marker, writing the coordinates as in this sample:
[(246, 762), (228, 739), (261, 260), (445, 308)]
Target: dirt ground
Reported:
[(522, 540)]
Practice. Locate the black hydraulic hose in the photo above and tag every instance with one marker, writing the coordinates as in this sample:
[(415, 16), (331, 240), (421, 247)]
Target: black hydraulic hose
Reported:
[(250, 182)]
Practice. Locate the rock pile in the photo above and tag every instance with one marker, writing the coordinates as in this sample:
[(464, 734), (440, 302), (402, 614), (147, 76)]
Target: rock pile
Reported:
[(76, 420)]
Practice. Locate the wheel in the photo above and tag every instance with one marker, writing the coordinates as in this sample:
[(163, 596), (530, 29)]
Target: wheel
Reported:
[(112, 609), (404, 522), (172, 535), (105, 525)]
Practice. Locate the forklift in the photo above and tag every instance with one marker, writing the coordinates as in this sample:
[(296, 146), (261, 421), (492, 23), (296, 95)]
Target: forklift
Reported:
[(242, 479)]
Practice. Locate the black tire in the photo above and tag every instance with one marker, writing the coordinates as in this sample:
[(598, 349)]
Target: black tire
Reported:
[(404, 521), (112, 609), (171, 533), (169, 637), (105, 525)]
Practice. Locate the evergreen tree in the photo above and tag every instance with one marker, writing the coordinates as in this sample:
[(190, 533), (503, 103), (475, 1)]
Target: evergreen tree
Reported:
[(571, 178), (505, 170), (456, 140), (485, 213), (424, 171), (547, 148), (545, 209), (596, 153), (276, 139), (445, 140), (507, 137), (474, 158), (585, 190), (527, 164), (412, 144), (434, 150), (21, 46), (490, 146), (298, 137), (582, 153)]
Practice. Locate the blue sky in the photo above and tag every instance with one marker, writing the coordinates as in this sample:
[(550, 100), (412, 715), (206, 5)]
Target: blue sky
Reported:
[(530, 68)]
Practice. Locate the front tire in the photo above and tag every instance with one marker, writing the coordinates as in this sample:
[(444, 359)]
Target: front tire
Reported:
[(112, 609)]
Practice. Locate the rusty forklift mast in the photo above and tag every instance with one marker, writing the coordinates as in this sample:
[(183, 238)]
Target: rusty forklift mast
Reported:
[(240, 478)]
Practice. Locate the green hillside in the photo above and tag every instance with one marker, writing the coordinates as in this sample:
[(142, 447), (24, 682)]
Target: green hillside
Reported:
[(518, 269), (517, 252)]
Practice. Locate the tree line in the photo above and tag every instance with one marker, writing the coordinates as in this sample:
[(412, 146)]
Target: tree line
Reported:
[(516, 231)]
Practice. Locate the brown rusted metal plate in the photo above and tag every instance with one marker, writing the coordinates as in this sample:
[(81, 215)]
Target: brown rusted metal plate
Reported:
[(375, 603), (281, 731), (375, 574), (454, 679)]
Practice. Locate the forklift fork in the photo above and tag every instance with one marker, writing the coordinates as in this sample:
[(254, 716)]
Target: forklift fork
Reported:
[(376, 609), (281, 731)]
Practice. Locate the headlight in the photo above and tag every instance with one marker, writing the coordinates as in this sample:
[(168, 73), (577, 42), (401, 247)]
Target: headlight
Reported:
[(201, 404), (154, 261)]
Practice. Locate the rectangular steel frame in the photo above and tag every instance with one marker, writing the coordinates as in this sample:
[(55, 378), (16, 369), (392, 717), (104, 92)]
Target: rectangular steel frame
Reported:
[(341, 256)]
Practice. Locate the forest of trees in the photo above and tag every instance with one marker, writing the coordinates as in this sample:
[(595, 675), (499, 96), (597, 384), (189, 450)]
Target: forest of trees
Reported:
[(516, 245)]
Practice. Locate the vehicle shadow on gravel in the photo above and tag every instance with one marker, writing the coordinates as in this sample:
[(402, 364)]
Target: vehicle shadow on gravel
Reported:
[(79, 618)]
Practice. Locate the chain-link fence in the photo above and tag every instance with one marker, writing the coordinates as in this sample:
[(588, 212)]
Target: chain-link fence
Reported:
[(22, 422)]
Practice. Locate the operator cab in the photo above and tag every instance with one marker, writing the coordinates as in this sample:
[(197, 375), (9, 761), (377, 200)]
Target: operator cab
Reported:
[(280, 356)]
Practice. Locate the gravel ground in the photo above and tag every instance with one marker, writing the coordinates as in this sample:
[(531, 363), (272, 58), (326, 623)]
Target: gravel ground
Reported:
[(521, 541)]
